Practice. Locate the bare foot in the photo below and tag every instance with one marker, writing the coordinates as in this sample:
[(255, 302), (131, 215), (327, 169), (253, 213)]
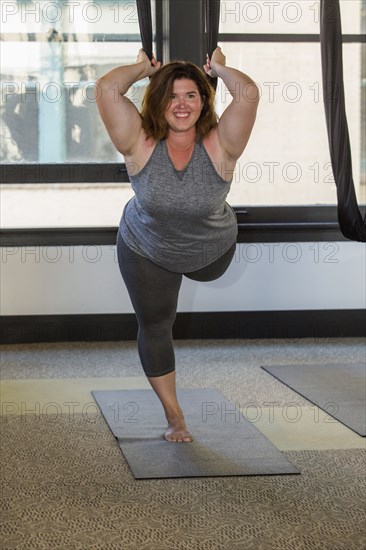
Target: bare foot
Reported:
[(177, 431)]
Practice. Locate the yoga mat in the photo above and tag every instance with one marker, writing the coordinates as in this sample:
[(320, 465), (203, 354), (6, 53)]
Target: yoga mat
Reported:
[(224, 442), (337, 389)]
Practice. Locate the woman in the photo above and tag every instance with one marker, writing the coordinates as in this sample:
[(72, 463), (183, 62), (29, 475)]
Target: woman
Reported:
[(180, 161)]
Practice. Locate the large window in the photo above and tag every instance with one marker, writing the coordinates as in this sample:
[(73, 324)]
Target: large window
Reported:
[(51, 55), (52, 52), (287, 160)]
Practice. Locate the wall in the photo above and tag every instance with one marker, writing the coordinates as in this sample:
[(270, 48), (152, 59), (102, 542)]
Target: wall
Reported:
[(261, 277)]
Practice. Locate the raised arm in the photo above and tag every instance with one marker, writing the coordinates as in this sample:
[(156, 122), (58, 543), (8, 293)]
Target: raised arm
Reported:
[(237, 121), (120, 116)]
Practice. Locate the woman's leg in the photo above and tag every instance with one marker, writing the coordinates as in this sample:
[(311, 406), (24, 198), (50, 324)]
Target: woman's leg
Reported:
[(214, 270), (154, 296)]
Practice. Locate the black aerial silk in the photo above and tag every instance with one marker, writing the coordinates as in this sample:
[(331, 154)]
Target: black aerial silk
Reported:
[(211, 17), (350, 219), (145, 24)]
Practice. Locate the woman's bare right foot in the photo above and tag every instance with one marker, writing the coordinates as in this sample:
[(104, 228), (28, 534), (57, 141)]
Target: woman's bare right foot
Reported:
[(177, 430), (165, 388)]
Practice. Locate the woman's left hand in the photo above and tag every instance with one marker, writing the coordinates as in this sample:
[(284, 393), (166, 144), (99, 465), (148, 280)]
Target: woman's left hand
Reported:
[(218, 58)]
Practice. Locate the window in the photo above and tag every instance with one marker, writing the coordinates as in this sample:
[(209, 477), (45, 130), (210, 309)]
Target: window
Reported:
[(287, 160), (52, 52)]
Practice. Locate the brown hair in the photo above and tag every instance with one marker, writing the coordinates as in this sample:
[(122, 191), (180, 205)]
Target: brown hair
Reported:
[(158, 96)]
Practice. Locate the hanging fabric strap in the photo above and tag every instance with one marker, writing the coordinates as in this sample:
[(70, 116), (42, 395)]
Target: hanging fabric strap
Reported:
[(211, 17), (145, 24), (350, 219)]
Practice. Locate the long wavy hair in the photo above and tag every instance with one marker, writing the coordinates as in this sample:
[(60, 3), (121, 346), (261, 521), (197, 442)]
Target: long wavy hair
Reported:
[(158, 96)]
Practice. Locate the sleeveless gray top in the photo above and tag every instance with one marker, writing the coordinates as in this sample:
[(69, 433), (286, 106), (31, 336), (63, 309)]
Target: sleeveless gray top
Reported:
[(179, 219)]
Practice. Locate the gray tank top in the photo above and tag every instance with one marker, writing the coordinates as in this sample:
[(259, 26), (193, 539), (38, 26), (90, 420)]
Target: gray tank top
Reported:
[(179, 219)]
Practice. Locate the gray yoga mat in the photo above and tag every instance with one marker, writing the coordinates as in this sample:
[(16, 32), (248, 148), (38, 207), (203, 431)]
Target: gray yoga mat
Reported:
[(224, 442), (337, 389)]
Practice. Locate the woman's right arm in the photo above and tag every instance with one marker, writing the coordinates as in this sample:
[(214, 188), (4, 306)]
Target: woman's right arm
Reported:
[(120, 116)]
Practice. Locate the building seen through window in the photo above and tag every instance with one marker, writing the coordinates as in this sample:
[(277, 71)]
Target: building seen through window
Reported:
[(52, 53)]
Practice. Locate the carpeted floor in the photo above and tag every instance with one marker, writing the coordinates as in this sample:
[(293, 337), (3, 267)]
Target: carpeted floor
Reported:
[(66, 485)]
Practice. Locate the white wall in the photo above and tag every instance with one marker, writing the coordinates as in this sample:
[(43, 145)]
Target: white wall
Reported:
[(266, 276)]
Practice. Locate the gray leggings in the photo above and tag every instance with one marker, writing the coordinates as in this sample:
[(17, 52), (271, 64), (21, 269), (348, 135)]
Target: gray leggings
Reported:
[(154, 295)]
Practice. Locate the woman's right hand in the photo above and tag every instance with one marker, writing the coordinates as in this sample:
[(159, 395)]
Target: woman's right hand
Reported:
[(151, 66)]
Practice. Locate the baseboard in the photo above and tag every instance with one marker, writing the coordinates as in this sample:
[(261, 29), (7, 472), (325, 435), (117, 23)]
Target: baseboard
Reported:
[(17, 329)]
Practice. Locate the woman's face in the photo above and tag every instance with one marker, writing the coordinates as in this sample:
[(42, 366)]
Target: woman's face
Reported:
[(185, 106)]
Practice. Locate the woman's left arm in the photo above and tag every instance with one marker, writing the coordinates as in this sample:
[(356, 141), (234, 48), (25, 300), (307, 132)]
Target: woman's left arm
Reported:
[(237, 121)]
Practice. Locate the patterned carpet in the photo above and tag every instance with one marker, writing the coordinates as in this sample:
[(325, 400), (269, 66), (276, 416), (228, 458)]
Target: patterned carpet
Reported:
[(66, 485)]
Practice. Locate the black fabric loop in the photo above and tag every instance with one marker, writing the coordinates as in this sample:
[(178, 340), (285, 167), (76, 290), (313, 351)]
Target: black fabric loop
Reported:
[(350, 219), (211, 17), (145, 24)]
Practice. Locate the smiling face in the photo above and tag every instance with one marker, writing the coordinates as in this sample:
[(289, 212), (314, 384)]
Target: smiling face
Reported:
[(185, 106)]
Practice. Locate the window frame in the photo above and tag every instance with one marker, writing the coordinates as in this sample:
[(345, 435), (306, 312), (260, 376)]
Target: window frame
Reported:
[(263, 224)]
